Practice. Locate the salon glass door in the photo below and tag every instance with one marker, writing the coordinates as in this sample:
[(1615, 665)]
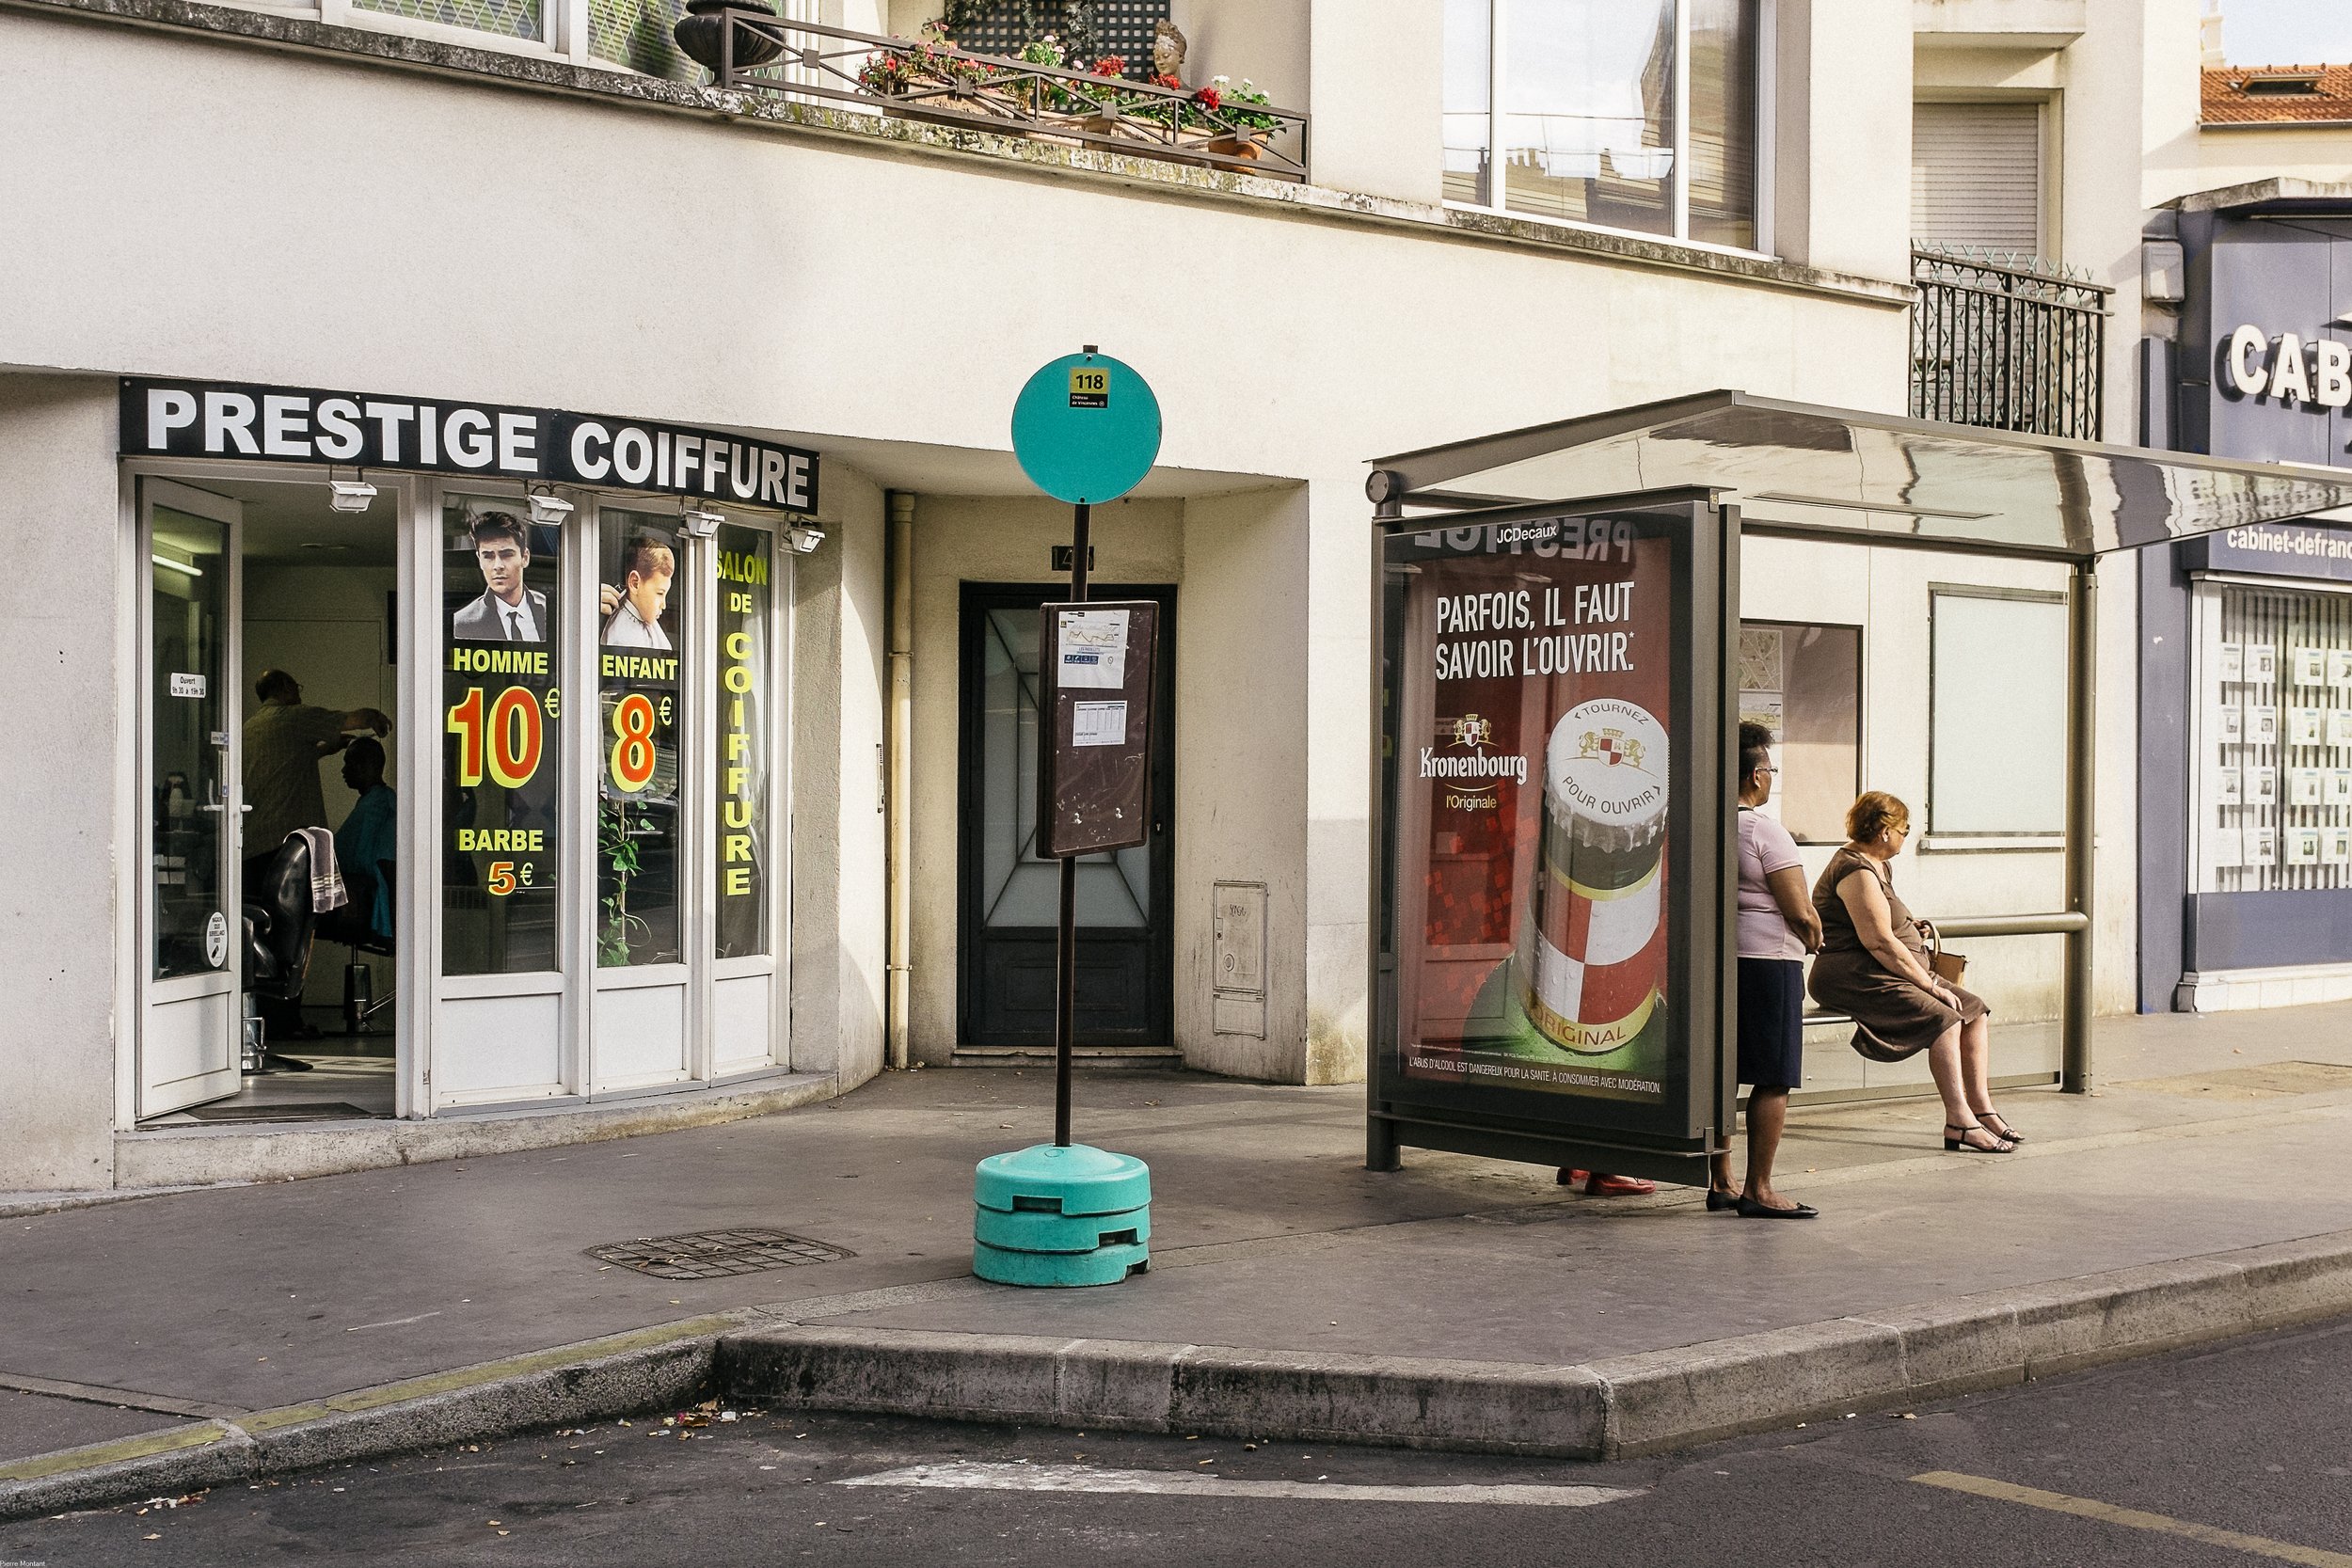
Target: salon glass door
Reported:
[(191, 905), (644, 1005)]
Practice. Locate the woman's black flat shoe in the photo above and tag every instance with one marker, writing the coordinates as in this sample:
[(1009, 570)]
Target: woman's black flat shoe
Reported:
[(1962, 1146), (1718, 1200), (1752, 1209)]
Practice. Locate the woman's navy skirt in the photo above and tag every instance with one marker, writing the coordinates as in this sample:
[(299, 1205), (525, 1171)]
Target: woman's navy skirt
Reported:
[(1771, 1022)]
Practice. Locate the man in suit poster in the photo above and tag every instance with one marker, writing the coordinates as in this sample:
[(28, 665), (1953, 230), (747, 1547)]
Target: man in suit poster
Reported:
[(507, 612)]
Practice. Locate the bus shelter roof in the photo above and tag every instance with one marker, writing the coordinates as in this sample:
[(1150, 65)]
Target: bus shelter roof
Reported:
[(1840, 473)]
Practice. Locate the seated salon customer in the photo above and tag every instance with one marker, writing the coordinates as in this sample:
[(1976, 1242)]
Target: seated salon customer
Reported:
[(1777, 927), (1874, 967)]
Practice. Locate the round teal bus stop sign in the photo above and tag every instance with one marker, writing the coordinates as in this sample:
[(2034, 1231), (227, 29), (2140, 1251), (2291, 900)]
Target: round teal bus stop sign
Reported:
[(1086, 429)]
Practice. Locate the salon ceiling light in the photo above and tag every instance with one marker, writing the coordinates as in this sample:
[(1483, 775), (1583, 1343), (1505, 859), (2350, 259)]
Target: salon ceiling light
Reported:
[(804, 538), (701, 525), (549, 508), (350, 494), (181, 566)]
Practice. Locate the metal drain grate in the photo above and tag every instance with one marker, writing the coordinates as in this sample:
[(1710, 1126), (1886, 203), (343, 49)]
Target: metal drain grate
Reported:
[(712, 1254)]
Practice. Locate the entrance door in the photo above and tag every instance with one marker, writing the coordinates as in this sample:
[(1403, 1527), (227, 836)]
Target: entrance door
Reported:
[(1010, 894), (190, 919)]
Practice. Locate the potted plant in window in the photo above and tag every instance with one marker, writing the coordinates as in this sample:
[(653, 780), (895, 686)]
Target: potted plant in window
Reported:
[(1238, 128)]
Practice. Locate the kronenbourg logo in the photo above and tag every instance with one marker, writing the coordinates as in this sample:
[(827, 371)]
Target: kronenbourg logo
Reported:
[(1466, 754)]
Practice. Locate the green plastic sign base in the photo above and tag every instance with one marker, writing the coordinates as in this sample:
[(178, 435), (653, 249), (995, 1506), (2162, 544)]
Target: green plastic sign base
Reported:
[(1085, 428), (1048, 1215)]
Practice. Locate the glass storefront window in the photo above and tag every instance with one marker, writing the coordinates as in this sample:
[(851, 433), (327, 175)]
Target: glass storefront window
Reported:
[(2271, 790), (190, 743), (503, 752), (742, 633), (1593, 125), (1804, 684), (639, 797)]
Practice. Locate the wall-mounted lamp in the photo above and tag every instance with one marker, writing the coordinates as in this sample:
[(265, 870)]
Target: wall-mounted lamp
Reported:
[(548, 509), (700, 525), (350, 494), (804, 538)]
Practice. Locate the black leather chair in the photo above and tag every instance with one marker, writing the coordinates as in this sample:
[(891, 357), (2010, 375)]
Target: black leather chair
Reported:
[(277, 937)]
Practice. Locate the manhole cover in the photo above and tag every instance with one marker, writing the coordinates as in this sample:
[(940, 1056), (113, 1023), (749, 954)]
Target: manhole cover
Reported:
[(709, 1254)]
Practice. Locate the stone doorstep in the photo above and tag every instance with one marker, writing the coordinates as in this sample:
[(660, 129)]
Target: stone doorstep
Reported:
[(1620, 1407)]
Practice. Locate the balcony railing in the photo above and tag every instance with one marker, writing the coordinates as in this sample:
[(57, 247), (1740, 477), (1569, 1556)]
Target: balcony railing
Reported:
[(2006, 346), (925, 80)]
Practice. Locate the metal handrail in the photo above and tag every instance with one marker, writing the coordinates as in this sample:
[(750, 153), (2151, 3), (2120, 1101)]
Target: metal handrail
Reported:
[(762, 52)]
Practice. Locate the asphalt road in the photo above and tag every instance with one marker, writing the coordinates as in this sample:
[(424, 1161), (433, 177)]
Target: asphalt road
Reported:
[(2240, 1454)]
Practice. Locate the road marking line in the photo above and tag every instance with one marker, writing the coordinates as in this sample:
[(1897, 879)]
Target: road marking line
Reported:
[(963, 1475), (2132, 1519)]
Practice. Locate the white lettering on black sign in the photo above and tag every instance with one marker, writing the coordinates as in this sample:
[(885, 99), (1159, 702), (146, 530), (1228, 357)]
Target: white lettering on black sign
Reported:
[(290, 425)]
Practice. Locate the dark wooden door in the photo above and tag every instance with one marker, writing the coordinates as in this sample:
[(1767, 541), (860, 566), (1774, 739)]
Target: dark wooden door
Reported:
[(1009, 895)]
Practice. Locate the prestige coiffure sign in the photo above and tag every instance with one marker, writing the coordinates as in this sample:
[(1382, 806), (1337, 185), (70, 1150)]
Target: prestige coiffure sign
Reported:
[(373, 430)]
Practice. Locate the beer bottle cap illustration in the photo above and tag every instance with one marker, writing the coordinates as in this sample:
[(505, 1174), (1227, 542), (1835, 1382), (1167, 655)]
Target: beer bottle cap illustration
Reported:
[(1605, 775)]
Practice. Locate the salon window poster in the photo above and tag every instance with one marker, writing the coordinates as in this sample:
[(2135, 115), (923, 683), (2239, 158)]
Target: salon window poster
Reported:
[(1530, 711), (503, 713)]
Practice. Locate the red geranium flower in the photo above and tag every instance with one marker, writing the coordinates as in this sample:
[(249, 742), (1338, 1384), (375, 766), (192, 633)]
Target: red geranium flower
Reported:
[(1207, 97)]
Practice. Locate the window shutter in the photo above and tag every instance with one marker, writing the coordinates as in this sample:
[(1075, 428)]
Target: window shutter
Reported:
[(1976, 175)]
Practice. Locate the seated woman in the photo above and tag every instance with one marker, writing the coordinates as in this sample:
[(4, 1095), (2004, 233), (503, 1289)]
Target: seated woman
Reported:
[(1873, 967)]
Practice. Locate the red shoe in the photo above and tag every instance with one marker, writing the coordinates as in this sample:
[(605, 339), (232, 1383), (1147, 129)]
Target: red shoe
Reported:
[(1599, 1185)]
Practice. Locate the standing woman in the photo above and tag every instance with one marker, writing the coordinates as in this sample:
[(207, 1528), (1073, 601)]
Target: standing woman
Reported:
[(1777, 929), (1874, 967)]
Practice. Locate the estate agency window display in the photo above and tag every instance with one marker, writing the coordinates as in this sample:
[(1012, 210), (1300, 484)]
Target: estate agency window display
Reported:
[(2273, 807)]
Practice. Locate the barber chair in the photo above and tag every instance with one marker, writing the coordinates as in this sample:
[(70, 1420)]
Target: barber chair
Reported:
[(277, 936)]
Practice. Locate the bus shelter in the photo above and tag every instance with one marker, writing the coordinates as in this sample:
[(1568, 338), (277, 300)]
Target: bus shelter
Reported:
[(1551, 925)]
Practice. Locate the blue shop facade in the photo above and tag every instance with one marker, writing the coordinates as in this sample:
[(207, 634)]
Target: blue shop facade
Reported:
[(2246, 635)]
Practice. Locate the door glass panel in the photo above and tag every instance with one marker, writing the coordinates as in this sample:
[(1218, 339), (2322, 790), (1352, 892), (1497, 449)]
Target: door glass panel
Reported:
[(1020, 887), (190, 743), (746, 557), (637, 797), (502, 754)]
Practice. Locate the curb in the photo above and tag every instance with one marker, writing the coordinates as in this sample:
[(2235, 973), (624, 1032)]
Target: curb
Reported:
[(617, 1375), (1620, 1407)]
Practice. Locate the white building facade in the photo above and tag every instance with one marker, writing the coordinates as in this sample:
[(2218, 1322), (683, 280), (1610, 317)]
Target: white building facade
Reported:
[(719, 381)]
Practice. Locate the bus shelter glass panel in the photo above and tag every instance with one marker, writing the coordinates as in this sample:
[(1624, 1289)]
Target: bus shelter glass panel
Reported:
[(190, 587), (1554, 828), (639, 796), (503, 752), (745, 633)]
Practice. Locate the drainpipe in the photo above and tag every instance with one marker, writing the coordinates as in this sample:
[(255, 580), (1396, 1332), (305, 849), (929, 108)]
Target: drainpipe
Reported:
[(899, 796)]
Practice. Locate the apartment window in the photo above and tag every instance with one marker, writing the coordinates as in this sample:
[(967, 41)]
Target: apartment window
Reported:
[(1640, 115), (1997, 714)]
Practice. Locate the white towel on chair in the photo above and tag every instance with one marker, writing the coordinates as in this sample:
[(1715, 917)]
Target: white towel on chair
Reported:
[(326, 877)]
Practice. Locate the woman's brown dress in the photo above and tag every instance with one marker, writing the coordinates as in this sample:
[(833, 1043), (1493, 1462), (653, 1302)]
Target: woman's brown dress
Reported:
[(1848, 978)]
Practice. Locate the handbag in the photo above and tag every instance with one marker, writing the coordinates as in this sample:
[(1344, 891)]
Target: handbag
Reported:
[(1950, 968)]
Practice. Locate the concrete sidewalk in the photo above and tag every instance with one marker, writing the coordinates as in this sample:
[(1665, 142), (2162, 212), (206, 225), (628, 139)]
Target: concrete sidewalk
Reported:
[(196, 1322)]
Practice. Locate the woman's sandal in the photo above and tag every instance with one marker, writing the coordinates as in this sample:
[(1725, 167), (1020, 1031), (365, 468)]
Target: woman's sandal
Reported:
[(2004, 1131), (1962, 1146)]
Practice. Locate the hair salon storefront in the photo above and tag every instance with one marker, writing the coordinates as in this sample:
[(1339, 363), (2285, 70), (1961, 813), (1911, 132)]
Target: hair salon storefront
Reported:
[(552, 651), (2246, 661)]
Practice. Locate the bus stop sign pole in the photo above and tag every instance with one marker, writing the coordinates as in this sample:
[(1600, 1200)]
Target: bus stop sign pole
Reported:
[(1086, 429)]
